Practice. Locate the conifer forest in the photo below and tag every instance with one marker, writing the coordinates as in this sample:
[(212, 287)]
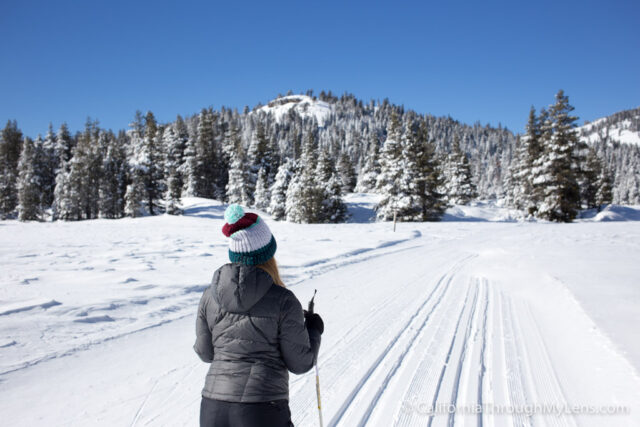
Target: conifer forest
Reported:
[(297, 156)]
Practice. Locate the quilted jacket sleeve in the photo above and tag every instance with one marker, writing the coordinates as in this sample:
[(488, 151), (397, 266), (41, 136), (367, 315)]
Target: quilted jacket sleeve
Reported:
[(203, 345), (298, 345)]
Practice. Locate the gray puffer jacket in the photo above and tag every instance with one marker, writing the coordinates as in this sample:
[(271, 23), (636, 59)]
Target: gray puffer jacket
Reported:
[(253, 332)]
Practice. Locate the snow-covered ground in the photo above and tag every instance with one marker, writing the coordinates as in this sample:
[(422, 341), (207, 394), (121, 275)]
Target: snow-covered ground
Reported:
[(622, 131), (97, 317), (304, 105)]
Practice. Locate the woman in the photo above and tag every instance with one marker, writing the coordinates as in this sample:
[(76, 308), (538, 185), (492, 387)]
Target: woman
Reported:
[(253, 331)]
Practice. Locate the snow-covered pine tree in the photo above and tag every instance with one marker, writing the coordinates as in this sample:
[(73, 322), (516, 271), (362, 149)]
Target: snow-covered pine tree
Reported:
[(305, 196), (63, 205), (172, 148), (41, 164), (134, 199), (346, 173), (538, 174), (277, 205), (64, 144), (459, 185), (330, 184), (557, 180), (604, 195), (260, 156), (50, 164), (205, 172), (237, 185), (432, 200), (334, 208), (149, 163), (29, 206), (262, 196), (409, 205), (189, 169), (388, 183), (369, 173), (10, 149), (84, 175), (591, 172), (113, 181), (520, 190)]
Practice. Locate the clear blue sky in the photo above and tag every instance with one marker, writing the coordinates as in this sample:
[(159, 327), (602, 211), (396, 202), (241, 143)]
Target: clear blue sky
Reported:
[(476, 61)]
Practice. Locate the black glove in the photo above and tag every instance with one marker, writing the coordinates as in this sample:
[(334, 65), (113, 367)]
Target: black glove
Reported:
[(313, 320)]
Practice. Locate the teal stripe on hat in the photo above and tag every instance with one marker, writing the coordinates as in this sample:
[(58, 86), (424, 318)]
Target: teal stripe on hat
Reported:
[(256, 257)]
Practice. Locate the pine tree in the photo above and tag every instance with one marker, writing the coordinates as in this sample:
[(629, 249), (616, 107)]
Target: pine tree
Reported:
[(521, 194), (431, 199), (148, 163), (50, 165), (409, 205), (260, 155), (113, 182), (277, 205), (330, 186), (334, 209), (189, 169), (85, 168), (172, 149), (305, 196), (368, 176), (64, 145), (388, 183), (262, 196), (10, 149), (346, 173), (604, 195), (538, 174), (205, 171), (134, 199), (41, 166), (591, 173), (557, 181), (460, 187), (29, 207), (237, 185), (63, 204)]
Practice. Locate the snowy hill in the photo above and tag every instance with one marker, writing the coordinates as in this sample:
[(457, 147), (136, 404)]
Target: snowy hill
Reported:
[(621, 127), (304, 105), (97, 318)]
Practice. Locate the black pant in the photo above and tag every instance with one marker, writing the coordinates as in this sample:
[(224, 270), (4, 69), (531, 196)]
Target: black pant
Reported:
[(218, 413)]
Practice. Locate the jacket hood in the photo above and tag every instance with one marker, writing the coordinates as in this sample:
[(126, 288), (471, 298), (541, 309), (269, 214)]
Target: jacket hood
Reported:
[(238, 287)]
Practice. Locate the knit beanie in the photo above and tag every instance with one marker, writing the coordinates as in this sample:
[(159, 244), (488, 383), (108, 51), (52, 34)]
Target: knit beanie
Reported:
[(250, 240)]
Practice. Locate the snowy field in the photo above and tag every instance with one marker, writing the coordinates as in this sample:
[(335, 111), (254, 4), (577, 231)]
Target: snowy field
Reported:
[(97, 318)]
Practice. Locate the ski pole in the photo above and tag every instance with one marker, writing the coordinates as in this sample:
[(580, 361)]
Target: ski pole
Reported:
[(310, 310)]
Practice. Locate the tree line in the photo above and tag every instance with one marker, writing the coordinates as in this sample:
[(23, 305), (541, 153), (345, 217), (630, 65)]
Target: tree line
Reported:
[(299, 170)]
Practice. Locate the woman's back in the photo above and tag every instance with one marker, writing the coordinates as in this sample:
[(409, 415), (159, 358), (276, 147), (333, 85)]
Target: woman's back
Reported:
[(253, 331)]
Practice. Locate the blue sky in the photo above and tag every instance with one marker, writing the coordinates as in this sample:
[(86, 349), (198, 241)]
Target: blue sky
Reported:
[(476, 61)]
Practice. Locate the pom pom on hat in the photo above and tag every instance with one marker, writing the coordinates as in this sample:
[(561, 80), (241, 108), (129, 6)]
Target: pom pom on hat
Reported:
[(233, 213)]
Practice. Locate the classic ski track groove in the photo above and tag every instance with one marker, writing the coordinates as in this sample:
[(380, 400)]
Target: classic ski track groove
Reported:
[(442, 283), (463, 354), (433, 356), (448, 356), (398, 362), (483, 351)]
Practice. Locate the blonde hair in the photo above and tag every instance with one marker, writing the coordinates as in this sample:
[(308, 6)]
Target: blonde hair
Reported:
[(271, 267)]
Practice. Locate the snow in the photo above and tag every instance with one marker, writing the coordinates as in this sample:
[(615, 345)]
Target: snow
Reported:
[(304, 105), (620, 132), (97, 318)]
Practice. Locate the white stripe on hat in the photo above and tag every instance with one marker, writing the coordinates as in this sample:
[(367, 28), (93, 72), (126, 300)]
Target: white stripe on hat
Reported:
[(250, 239)]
